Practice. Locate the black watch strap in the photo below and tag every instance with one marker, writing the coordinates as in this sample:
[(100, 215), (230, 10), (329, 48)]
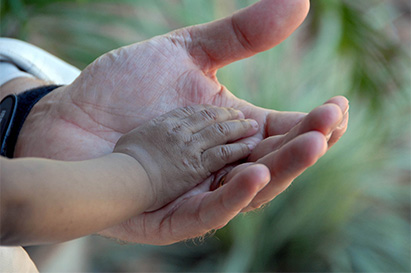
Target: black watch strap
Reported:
[(14, 111)]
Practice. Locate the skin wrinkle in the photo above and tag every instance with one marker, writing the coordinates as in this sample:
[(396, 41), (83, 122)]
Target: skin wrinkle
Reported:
[(144, 225), (158, 48), (173, 208), (109, 130), (208, 173), (222, 91), (119, 63), (103, 109), (205, 64), (112, 143), (196, 93), (201, 221), (178, 40), (168, 219), (241, 37)]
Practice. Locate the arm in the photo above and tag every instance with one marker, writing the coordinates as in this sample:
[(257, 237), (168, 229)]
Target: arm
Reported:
[(99, 110), (19, 85), (44, 201)]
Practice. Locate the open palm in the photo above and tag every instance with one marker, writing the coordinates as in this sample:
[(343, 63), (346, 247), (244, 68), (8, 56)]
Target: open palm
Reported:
[(128, 86)]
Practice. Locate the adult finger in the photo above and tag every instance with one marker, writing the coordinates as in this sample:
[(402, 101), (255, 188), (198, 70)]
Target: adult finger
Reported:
[(213, 210), (265, 147), (278, 123), (249, 31), (289, 162), (342, 127), (339, 131), (327, 119), (196, 212), (323, 119)]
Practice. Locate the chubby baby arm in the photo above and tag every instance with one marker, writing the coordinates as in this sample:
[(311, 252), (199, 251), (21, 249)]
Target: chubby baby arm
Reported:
[(184, 147)]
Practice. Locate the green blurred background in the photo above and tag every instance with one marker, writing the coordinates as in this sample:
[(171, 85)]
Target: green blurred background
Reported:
[(348, 213)]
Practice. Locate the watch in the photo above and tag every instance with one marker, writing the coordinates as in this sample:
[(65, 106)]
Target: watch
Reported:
[(14, 110)]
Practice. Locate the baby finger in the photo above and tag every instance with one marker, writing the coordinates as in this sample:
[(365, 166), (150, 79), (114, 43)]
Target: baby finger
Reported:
[(217, 157)]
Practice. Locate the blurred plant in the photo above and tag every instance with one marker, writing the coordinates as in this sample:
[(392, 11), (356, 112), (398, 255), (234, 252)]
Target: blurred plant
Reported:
[(374, 52), (348, 213)]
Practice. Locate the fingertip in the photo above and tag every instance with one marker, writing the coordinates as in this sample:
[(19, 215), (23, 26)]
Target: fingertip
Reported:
[(256, 28), (325, 118), (251, 179), (240, 114), (234, 113), (244, 185), (316, 145), (335, 114), (341, 101), (236, 194), (277, 20), (261, 175), (339, 131), (254, 124)]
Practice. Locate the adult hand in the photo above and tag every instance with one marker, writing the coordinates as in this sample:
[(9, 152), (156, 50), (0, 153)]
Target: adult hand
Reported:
[(126, 87), (274, 164)]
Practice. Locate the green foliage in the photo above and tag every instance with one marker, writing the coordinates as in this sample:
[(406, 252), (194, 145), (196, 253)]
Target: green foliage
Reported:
[(348, 213), (376, 55)]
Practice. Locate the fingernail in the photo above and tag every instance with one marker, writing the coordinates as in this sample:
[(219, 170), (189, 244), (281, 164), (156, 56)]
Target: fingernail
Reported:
[(343, 122), (240, 114), (327, 137), (222, 181), (254, 123), (251, 145), (346, 109)]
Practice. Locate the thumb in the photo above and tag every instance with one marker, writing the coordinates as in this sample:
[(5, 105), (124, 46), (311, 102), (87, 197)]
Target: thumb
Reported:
[(249, 31)]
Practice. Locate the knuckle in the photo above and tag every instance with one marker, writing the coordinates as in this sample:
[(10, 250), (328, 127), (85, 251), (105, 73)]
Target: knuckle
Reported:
[(188, 110), (177, 128), (225, 153), (159, 120), (233, 112), (186, 125), (221, 129), (208, 114), (172, 133), (189, 142), (244, 149), (170, 137), (255, 206), (245, 124)]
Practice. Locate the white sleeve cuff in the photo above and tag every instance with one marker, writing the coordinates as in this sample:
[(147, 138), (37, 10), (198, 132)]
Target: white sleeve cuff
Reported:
[(9, 72), (35, 61)]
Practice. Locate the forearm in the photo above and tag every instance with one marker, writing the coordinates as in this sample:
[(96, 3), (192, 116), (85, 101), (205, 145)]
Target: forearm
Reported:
[(19, 85), (45, 201)]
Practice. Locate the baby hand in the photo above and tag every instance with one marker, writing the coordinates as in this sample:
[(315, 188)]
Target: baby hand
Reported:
[(182, 148)]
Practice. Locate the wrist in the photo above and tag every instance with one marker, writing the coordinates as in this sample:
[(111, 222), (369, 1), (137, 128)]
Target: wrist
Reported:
[(36, 131), (19, 85), (137, 180)]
